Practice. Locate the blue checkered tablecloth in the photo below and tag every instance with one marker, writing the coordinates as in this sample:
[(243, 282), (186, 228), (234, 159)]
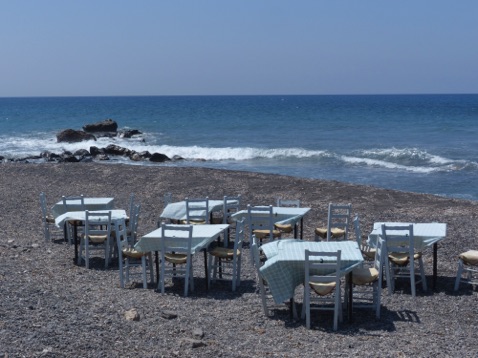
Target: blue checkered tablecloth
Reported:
[(284, 268)]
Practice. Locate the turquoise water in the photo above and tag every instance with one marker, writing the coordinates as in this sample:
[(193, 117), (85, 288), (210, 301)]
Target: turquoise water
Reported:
[(418, 143)]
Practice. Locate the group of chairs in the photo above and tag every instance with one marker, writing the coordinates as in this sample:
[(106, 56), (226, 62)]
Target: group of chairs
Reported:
[(392, 254)]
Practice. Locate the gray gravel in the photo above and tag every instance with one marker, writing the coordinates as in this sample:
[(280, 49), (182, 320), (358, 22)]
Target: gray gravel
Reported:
[(52, 308)]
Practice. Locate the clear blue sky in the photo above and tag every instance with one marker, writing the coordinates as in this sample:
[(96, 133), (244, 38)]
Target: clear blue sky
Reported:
[(204, 47)]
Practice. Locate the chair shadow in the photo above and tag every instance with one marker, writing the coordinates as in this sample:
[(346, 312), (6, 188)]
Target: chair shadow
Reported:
[(363, 323)]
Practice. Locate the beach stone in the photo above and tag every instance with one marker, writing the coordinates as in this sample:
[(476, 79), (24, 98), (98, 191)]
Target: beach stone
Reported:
[(96, 151), (113, 149), (198, 333), (107, 125), (168, 314), (135, 157), (68, 157), (73, 136), (132, 315), (158, 157), (128, 133), (145, 154), (192, 343)]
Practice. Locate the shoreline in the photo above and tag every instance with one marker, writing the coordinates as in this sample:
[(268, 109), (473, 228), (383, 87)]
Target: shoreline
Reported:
[(53, 306)]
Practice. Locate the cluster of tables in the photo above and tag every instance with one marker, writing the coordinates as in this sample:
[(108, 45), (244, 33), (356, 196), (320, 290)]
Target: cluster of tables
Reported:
[(284, 268)]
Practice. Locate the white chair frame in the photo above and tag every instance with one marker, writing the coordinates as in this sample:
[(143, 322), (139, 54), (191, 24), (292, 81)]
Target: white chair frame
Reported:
[(182, 245), (232, 263), (334, 297), (395, 243)]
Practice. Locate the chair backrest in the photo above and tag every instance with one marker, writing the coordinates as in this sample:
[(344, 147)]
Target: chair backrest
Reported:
[(399, 239), (260, 218), (380, 255), (230, 206), (239, 239), (318, 271), (121, 235), (73, 202), (133, 224), (290, 203), (358, 232), (177, 238), (338, 218), (197, 210), (98, 224)]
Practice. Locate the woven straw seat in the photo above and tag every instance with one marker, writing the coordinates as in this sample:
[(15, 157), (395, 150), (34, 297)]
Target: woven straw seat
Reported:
[(285, 228), (175, 258), (322, 289), (470, 257), (402, 258)]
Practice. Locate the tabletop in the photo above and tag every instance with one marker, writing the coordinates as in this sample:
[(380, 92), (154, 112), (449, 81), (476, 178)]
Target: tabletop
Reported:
[(282, 214), (425, 234), (80, 216), (90, 204), (177, 210), (284, 268), (203, 235)]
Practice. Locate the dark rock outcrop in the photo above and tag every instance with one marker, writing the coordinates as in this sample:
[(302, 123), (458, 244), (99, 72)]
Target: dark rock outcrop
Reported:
[(108, 125), (113, 149), (73, 136), (128, 133), (159, 158)]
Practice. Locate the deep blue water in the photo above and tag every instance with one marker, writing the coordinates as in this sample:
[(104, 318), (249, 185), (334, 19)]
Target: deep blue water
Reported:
[(418, 143)]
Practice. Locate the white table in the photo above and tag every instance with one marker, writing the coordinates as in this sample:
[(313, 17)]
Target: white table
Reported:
[(202, 236), (425, 235), (90, 204), (76, 216), (284, 268), (282, 215), (177, 210)]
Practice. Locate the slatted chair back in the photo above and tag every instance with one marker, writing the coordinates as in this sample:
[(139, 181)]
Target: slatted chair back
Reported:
[(324, 278), (197, 211), (399, 242), (338, 220), (230, 206), (97, 235), (73, 202), (260, 220), (176, 243)]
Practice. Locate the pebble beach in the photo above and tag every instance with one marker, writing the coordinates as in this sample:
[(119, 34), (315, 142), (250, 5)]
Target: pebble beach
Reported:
[(52, 307)]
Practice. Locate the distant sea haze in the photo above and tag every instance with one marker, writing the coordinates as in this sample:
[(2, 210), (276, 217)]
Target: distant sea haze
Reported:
[(417, 143)]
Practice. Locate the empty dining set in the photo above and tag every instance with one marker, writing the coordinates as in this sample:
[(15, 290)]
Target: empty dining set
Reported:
[(339, 268)]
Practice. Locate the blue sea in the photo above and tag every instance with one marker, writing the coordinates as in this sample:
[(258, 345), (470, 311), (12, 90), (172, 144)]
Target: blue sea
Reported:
[(416, 143)]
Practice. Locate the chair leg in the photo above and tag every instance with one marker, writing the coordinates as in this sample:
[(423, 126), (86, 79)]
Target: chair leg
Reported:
[(412, 277), (458, 274), (143, 271), (388, 276), (121, 273), (422, 274), (150, 263)]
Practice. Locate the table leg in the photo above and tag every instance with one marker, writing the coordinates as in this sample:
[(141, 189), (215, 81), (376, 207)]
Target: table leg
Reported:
[(156, 257), (435, 254), (301, 228), (75, 238), (206, 270)]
